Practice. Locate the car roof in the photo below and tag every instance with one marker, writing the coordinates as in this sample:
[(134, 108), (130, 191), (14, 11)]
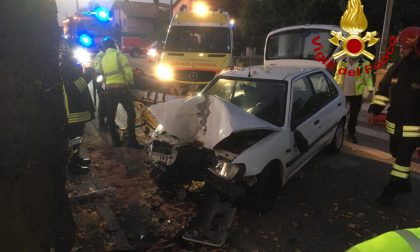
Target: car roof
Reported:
[(307, 26), (270, 72)]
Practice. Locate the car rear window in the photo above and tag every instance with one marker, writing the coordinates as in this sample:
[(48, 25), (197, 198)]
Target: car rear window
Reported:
[(297, 44)]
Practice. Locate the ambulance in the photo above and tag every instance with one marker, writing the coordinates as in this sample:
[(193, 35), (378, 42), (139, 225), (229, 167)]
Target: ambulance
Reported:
[(198, 46)]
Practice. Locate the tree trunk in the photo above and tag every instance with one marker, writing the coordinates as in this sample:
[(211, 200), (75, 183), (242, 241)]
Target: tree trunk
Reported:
[(34, 209)]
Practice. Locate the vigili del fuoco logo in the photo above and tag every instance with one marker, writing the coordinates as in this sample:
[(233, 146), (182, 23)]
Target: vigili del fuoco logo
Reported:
[(354, 22)]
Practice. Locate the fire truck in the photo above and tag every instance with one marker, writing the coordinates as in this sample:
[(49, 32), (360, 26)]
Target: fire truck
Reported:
[(85, 31)]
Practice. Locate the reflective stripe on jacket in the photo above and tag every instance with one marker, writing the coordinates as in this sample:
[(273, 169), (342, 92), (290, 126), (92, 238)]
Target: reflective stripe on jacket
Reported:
[(115, 68), (363, 79), (407, 240), (97, 61), (77, 101), (400, 88)]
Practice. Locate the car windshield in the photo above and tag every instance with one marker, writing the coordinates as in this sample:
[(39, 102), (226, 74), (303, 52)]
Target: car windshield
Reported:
[(297, 44), (265, 99), (198, 39)]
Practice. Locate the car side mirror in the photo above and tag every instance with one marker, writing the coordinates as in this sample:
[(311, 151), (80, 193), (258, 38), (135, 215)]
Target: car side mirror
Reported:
[(301, 142)]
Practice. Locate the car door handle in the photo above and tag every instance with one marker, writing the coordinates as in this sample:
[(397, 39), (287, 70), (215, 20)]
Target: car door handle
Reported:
[(316, 122), (339, 104)]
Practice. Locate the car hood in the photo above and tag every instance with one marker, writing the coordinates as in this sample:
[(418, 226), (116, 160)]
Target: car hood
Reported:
[(206, 119)]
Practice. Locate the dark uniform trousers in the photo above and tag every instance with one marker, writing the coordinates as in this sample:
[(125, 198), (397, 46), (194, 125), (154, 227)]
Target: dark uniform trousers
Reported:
[(123, 96), (402, 149), (400, 87), (355, 102), (75, 130), (102, 107)]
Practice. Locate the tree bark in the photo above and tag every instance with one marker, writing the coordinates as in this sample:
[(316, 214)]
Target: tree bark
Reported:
[(34, 209)]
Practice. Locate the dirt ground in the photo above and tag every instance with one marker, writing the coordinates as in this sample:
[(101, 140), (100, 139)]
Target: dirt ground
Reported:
[(147, 220)]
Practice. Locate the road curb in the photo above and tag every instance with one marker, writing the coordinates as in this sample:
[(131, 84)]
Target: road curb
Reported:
[(378, 154)]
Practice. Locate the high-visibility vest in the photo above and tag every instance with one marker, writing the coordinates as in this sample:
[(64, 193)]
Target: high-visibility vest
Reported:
[(406, 240), (115, 68), (97, 61), (363, 77)]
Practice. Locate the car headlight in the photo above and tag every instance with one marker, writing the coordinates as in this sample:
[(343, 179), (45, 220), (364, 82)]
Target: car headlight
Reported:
[(158, 131), (82, 55), (164, 72), (99, 79), (152, 52), (228, 170)]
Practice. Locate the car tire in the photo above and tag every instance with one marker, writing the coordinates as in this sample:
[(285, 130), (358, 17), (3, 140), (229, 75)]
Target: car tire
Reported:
[(264, 193), (337, 142), (135, 53)]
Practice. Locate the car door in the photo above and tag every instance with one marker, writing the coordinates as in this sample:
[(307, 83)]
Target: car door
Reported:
[(326, 106), (303, 118)]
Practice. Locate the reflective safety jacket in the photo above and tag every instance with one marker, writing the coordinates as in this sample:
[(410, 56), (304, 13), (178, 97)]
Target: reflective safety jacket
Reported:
[(400, 88), (115, 68), (407, 240), (363, 75), (77, 99), (97, 61)]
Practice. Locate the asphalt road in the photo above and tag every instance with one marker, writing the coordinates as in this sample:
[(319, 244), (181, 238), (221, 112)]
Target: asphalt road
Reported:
[(328, 206)]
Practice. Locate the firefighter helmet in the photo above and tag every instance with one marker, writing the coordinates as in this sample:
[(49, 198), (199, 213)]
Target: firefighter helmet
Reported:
[(410, 37), (108, 42)]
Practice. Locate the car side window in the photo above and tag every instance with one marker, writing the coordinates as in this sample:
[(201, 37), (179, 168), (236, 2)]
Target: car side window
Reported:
[(333, 88), (323, 94), (302, 105)]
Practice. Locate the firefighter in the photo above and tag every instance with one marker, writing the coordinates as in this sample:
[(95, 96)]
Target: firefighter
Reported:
[(79, 108), (353, 86), (118, 75), (407, 240), (400, 88), (102, 108)]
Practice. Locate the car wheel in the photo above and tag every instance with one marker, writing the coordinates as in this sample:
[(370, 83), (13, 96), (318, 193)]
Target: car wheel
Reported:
[(337, 142), (135, 53), (264, 193)]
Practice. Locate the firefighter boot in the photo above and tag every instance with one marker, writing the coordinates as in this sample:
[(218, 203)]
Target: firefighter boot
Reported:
[(396, 185), (116, 140), (84, 161), (75, 168), (102, 126), (132, 143)]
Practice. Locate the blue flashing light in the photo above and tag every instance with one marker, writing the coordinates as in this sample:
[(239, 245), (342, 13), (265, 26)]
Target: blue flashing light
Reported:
[(102, 14), (85, 40)]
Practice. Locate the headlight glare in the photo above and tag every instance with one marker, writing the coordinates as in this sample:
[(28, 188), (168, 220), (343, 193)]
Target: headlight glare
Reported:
[(152, 52), (82, 55), (99, 79), (164, 72)]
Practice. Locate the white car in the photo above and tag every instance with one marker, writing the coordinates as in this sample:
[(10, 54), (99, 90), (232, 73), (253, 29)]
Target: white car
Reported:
[(250, 130)]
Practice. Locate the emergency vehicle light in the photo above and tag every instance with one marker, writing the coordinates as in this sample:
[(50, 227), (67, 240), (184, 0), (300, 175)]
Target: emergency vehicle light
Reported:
[(85, 40), (201, 9), (102, 14)]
